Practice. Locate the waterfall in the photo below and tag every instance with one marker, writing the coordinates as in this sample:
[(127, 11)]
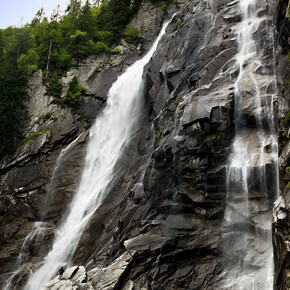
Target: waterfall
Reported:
[(110, 133), (52, 184), (39, 229), (37, 233), (34, 237), (251, 178)]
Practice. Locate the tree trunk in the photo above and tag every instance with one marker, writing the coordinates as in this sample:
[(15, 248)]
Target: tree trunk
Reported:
[(48, 57)]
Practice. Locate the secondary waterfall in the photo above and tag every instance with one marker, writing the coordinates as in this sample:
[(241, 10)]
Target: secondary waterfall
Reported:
[(53, 182), (37, 233), (109, 135), (34, 237), (252, 166)]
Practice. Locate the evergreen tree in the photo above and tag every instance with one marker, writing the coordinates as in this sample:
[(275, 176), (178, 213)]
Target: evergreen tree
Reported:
[(72, 99), (86, 22), (13, 114), (2, 54), (54, 87), (50, 45)]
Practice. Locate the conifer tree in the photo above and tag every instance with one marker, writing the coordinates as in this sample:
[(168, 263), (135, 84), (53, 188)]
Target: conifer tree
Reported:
[(54, 87)]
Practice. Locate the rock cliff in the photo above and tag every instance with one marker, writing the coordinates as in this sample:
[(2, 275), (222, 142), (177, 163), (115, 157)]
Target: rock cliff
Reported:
[(160, 225), (281, 220)]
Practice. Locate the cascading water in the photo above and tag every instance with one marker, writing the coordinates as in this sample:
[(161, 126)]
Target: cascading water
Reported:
[(53, 181), (108, 137), (36, 235), (252, 167)]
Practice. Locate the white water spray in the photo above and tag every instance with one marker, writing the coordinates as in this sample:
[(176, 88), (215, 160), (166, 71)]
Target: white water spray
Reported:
[(108, 137)]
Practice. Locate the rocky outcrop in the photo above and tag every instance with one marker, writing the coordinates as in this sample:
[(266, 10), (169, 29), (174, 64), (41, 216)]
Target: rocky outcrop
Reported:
[(108, 278)]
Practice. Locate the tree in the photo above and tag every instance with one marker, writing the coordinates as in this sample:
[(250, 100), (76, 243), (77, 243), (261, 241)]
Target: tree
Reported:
[(72, 99), (54, 87), (115, 15), (55, 15), (132, 34), (97, 2), (2, 54), (74, 92), (29, 61), (13, 114), (85, 21), (39, 17), (74, 8), (79, 44), (50, 45)]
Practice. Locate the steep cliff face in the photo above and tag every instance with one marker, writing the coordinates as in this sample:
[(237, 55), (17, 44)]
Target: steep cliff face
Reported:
[(160, 226), (281, 240)]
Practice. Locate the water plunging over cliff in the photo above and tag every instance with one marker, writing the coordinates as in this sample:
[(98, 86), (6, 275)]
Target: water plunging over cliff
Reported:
[(108, 136), (252, 166)]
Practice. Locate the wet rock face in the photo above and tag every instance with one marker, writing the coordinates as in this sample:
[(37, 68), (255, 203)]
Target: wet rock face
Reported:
[(174, 221), (160, 225), (281, 221), (281, 243)]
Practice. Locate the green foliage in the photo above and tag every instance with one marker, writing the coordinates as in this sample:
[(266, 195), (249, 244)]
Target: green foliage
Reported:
[(101, 47), (48, 116), (33, 134), (28, 61), (6, 219), (132, 34), (287, 119), (288, 55), (164, 8), (55, 45), (192, 175), (212, 137), (2, 53), (54, 87), (98, 47), (105, 36), (159, 134), (78, 44), (115, 14), (116, 50), (13, 113), (82, 31), (72, 99)]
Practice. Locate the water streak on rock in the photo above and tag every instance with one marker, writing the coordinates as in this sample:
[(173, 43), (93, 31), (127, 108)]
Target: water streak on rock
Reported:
[(247, 242)]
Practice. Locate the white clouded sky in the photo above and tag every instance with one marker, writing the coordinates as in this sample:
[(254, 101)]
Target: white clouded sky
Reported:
[(11, 11)]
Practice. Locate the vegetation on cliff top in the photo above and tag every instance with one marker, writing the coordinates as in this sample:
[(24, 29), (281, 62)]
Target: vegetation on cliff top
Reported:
[(53, 45)]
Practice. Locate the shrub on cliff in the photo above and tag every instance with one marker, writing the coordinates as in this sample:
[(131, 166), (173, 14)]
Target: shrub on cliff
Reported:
[(132, 34), (54, 87), (72, 99)]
